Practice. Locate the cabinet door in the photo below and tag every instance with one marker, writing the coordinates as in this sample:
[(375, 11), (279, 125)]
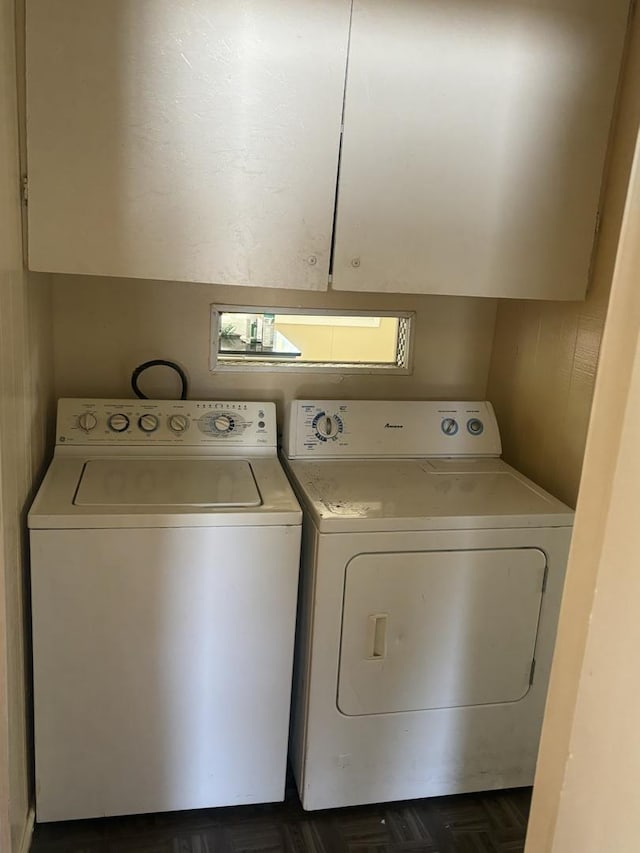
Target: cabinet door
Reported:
[(195, 140), (474, 141)]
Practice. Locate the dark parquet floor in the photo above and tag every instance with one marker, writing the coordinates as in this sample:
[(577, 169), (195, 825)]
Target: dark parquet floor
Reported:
[(493, 822)]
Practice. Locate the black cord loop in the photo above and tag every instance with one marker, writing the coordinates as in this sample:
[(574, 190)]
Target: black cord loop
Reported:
[(158, 362)]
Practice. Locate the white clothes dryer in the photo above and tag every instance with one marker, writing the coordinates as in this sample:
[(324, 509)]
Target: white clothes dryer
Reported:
[(165, 544), (431, 582)]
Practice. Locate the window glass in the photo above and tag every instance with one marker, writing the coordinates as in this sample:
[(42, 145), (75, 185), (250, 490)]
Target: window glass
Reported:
[(290, 338)]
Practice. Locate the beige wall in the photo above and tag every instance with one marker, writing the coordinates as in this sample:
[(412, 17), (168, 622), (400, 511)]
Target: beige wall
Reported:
[(585, 795), (545, 354), (25, 396), (103, 328)]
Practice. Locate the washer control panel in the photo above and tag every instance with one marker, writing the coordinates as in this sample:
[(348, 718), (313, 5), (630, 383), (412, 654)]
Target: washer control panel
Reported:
[(377, 428), (186, 423)]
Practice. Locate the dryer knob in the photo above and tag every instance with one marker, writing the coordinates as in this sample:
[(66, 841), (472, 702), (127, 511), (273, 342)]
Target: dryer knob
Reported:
[(87, 421), (475, 426), (327, 427), (118, 422), (148, 423), (449, 426)]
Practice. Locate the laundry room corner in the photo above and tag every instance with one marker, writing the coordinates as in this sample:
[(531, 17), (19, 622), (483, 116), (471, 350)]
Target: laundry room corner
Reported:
[(388, 532), (26, 406), (545, 354)]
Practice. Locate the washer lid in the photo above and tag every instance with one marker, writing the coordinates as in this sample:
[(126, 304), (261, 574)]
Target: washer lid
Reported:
[(423, 494), (167, 482)]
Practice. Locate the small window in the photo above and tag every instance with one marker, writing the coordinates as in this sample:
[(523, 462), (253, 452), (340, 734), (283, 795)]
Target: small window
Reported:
[(305, 339)]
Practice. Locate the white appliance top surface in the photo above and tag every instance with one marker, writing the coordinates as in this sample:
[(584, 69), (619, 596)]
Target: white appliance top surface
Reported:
[(227, 501), (167, 482), (409, 465), (422, 494), (164, 463)]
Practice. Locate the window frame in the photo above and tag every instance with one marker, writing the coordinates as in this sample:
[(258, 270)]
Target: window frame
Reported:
[(239, 365)]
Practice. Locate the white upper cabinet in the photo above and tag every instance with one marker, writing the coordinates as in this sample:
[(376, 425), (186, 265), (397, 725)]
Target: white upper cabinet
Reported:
[(198, 140), (475, 133), (185, 139)]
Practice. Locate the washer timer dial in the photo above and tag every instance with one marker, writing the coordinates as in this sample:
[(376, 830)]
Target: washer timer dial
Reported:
[(223, 423), (327, 427), (219, 424)]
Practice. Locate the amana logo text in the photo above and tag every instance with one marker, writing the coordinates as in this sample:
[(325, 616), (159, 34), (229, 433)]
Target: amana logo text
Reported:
[(394, 426)]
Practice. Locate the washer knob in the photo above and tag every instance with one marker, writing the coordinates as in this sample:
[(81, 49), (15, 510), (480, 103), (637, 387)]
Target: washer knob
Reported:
[(87, 421), (178, 423), (118, 422), (475, 426), (148, 423), (223, 423)]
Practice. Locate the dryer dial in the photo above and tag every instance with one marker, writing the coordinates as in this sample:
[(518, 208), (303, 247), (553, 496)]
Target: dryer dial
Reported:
[(327, 427), (449, 426)]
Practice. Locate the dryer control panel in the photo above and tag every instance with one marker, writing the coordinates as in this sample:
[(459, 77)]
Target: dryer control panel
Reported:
[(399, 428), (192, 424)]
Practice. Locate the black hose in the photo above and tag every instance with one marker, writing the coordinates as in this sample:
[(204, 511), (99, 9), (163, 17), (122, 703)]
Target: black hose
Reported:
[(158, 362)]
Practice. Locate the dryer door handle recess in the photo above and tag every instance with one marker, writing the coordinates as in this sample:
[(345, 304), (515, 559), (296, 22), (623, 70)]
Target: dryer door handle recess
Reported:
[(378, 636)]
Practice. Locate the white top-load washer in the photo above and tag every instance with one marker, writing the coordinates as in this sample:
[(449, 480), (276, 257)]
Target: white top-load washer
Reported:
[(431, 581), (165, 544)]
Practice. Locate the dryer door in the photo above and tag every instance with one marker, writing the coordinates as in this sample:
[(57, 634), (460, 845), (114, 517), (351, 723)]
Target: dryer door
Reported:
[(439, 629)]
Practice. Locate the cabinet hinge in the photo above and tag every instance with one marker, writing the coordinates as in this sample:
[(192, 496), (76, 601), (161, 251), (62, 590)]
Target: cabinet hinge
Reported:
[(24, 187), (532, 670)]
